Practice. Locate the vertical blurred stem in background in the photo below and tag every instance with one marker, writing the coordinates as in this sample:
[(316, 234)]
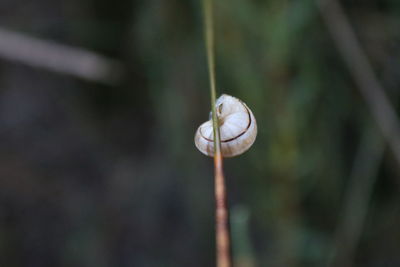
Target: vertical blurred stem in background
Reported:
[(361, 70), (287, 215), (369, 156), (221, 210), (242, 248), (362, 179)]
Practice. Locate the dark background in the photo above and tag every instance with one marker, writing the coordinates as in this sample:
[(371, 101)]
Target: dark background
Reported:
[(104, 172)]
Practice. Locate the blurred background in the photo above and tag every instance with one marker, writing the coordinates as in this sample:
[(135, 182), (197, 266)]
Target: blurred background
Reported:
[(100, 100)]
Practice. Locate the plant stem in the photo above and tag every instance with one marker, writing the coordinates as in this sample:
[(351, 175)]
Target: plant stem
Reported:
[(221, 215), (221, 210)]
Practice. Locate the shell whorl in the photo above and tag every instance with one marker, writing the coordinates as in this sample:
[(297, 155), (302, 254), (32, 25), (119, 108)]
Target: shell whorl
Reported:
[(238, 128)]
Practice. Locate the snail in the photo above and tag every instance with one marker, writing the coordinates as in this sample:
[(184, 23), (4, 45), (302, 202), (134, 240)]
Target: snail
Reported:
[(238, 128)]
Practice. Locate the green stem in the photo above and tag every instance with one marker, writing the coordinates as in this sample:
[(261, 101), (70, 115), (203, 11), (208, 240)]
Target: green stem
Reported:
[(209, 38), (221, 212)]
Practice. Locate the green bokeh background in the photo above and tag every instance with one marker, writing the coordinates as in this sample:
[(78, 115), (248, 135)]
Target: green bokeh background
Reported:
[(108, 175)]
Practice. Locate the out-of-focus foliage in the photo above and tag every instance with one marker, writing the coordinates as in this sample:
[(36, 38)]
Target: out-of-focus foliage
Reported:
[(94, 175)]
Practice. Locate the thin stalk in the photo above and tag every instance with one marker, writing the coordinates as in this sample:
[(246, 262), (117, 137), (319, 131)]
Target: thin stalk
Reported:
[(221, 210)]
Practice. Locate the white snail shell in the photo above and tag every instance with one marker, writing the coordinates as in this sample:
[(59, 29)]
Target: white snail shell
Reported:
[(238, 128)]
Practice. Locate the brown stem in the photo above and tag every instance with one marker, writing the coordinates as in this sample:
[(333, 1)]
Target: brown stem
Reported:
[(221, 215)]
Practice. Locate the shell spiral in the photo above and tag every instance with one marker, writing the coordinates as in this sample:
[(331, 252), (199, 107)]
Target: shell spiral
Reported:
[(237, 124)]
